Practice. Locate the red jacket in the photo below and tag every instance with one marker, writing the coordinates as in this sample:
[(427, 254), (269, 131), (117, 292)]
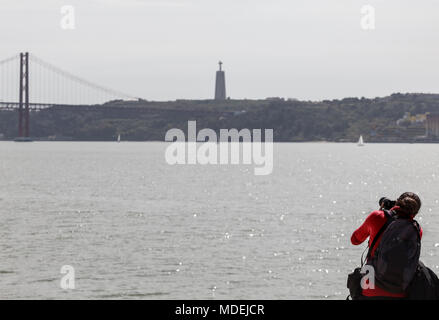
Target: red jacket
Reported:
[(369, 229)]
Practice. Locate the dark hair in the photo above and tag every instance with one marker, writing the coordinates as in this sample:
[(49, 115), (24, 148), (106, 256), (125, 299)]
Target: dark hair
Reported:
[(409, 204)]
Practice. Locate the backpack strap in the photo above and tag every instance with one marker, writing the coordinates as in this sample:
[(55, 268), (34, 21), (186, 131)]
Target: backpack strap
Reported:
[(418, 229), (389, 219)]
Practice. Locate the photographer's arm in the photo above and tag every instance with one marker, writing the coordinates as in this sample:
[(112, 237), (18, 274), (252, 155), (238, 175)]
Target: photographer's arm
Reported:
[(363, 232)]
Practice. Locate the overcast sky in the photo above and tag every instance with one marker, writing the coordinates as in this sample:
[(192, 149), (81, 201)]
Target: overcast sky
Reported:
[(169, 49)]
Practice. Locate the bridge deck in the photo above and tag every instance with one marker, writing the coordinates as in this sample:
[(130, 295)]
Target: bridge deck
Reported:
[(32, 106)]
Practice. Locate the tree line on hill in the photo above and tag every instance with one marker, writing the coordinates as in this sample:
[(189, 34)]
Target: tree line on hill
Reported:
[(291, 120)]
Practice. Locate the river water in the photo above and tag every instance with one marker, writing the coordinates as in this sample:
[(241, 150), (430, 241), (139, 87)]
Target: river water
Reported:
[(134, 227)]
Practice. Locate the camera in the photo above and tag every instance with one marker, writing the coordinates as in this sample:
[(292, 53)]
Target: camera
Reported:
[(386, 203)]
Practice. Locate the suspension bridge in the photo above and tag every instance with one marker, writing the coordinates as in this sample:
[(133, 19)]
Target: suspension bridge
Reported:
[(28, 83)]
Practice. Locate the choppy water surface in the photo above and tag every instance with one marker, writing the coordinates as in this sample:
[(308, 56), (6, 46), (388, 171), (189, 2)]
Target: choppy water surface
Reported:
[(134, 227)]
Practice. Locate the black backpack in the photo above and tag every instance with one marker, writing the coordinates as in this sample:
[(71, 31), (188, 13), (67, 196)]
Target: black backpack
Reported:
[(425, 284), (397, 257)]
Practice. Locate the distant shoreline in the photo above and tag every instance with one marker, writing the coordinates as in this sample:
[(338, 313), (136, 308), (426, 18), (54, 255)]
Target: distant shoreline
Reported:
[(399, 118), (276, 142)]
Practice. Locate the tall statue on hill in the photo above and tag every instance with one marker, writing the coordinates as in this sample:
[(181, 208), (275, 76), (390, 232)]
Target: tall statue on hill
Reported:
[(220, 85)]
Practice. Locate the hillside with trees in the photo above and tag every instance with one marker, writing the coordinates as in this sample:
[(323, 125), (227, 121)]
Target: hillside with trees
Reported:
[(329, 120)]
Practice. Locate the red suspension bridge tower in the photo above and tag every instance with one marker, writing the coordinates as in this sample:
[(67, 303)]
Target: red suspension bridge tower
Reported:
[(23, 107)]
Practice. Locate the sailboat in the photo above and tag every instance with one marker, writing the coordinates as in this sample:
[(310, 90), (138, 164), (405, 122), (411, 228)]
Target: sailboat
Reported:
[(360, 142), (118, 138)]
